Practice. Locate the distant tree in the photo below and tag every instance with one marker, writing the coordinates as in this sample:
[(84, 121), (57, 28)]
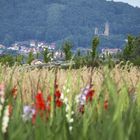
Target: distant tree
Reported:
[(131, 51), (129, 47), (30, 58), (95, 43), (19, 59), (37, 55), (7, 60), (78, 53), (46, 55), (67, 46)]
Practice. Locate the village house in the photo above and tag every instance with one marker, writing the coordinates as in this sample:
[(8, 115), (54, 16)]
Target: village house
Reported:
[(110, 51), (2, 46), (36, 62), (59, 55)]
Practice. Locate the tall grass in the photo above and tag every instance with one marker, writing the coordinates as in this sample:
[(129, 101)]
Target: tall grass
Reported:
[(120, 86)]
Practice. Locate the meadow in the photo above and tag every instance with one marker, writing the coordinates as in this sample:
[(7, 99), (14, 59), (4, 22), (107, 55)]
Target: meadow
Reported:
[(80, 104)]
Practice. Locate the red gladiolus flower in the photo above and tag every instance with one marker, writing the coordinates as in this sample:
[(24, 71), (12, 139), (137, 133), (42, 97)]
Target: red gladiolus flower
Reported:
[(57, 94), (40, 102), (49, 98), (106, 104), (82, 109), (14, 92), (10, 108), (33, 118), (90, 95), (48, 107), (58, 103)]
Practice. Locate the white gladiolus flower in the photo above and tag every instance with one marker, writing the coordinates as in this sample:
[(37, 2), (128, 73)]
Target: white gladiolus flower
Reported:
[(64, 88), (62, 96), (72, 112), (67, 108), (70, 128), (67, 116), (65, 100), (71, 120), (68, 90), (2, 100), (2, 88), (1, 107), (5, 119)]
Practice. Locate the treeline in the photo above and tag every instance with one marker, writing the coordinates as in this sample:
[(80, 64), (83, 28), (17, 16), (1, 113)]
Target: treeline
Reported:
[(132, 50), (10, 60), (131, 53)]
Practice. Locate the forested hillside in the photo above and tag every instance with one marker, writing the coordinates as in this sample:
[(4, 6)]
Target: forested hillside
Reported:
[(58, 20)]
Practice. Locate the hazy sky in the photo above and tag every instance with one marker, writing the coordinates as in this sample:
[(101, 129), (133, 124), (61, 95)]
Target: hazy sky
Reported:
[(132, 2)]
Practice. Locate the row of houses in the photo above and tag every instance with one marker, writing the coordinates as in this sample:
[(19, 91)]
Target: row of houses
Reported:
[(34, 46), (27, 46), (110, 51)]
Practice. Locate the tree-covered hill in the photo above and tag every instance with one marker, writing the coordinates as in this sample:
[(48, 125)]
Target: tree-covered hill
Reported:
[(57, 20)]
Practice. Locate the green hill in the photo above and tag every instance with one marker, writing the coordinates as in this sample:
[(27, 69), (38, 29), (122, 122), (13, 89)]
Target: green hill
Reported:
[(58, 20)]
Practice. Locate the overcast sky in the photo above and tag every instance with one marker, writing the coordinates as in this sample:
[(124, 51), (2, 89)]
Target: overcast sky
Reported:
[(132, 2)]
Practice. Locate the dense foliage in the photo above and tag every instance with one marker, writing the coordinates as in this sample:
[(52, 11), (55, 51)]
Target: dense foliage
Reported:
[(58, 20), (132, 50)]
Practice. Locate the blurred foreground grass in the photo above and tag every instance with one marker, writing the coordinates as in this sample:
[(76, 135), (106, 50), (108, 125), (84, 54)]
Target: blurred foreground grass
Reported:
[(120, 85)]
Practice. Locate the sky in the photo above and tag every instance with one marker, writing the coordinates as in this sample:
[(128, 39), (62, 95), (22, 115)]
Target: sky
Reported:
[(131, 2)]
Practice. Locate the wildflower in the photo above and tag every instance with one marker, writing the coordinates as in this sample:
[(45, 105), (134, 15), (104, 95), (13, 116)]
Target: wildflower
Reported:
[(71, 120), (67, 107), (1, 107), (84, 97), (68, 90), (59, 103), (72, 112), (48, 103), (28, 113), (62, 96), (64, 88), (40, 102), (106, 104), (82, 109), (5, 119), (90, 95), (57, 94), (14, 92), (69, 114), (70, 128), (10, 110), (2, 88), (65, 100), (2, 93), (2, 98), (49, 98)]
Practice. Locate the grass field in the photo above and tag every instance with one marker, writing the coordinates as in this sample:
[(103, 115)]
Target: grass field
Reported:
[(51, 104)]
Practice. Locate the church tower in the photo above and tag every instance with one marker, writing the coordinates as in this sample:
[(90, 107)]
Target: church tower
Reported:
[(96, 32), (106, 31)]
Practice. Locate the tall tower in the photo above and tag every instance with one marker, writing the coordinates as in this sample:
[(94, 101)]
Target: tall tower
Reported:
[(96, 32), (106, 31)]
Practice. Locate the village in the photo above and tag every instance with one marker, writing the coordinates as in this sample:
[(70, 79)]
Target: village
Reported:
[(25, 47), (37, 47)]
